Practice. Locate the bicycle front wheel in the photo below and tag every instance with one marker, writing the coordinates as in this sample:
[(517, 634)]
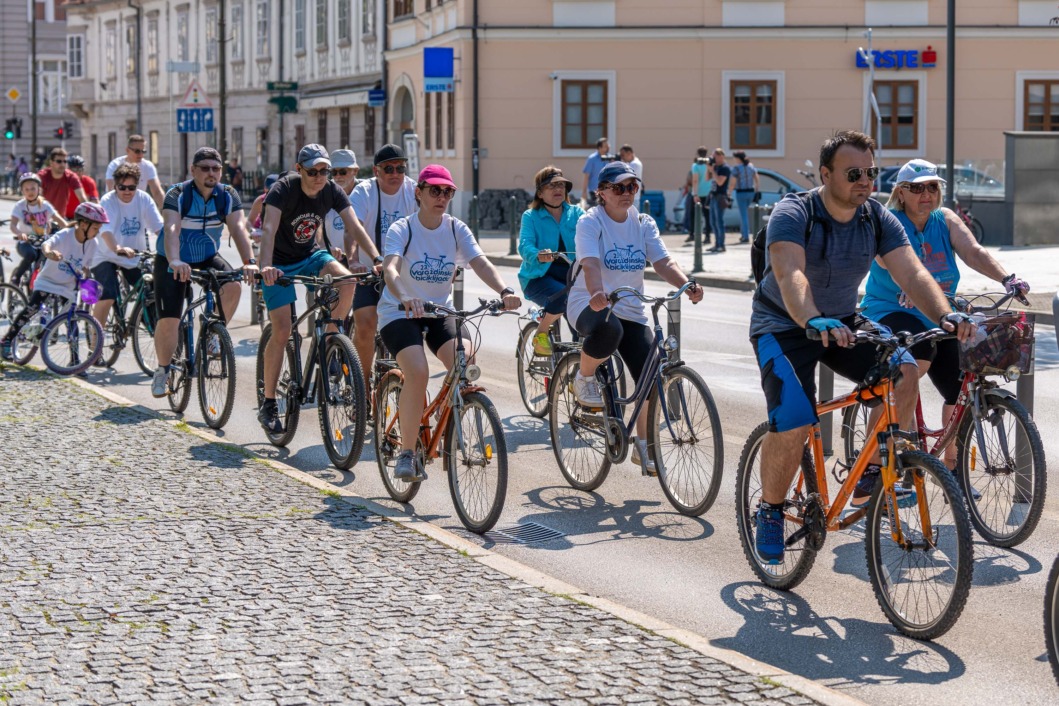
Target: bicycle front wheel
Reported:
[(855, 430), (71, 342), (921, 581), (288, 393), (533, 373), (341, 402), (685, 440), (1006, 467), (977, 229), (579, 436), (216, 375), (388, 438), (12, 302), (180, 373), (142, 323), (476, 461)]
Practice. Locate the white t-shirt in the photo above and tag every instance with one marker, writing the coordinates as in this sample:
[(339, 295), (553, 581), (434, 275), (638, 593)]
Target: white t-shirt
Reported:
[(33, 219), (147, 170), (623, 250), (132, 225), (365, 200), (637, 166), (335, 229), (57, 277), (428, 267)]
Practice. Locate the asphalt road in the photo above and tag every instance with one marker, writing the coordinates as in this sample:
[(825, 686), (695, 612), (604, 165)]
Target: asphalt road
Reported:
[(625, 542)]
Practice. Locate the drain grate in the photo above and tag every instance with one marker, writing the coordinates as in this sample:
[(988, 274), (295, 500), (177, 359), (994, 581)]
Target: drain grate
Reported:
[(524, 533)]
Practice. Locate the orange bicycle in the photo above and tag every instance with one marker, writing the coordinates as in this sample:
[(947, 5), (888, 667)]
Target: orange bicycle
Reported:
[(920, 557)]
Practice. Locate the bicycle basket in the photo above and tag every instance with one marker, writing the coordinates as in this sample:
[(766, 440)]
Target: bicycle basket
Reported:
[(1000, 343), (91, 290)]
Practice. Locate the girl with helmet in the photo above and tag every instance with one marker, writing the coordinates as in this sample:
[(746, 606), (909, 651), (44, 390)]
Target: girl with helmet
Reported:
[(31, 216), (72, 245)]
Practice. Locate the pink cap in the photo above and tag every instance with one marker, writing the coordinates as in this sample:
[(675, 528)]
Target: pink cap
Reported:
[(436, 174)]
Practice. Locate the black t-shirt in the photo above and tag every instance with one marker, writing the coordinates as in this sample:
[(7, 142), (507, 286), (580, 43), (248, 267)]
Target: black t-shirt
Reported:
[(721, 170), (301, 217)]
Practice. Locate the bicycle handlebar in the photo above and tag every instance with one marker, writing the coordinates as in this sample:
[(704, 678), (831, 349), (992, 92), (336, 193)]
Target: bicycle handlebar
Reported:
[(964, 304), (890, 341), (325, 281), (491, 307), (613, 296), (209, 276)]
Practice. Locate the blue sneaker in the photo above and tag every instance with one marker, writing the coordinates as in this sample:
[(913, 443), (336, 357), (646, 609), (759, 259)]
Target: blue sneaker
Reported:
[(906, 497), (769, 536), (5, 350)]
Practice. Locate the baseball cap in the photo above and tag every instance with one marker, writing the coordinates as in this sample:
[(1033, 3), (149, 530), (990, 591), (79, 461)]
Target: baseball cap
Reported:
[(313, 154), (616, 172), (437, 175), (204, 153), (918, 170), (388, 153), (343, 159)]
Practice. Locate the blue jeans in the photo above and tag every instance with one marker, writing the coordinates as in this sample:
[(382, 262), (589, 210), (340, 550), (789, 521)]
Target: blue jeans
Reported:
[(743, 200), (717, 220)]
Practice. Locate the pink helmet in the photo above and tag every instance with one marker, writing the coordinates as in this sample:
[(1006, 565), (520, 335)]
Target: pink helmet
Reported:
[(91, 212)]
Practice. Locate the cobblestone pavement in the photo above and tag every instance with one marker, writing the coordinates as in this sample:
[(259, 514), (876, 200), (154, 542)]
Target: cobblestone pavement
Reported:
[(140, 564)]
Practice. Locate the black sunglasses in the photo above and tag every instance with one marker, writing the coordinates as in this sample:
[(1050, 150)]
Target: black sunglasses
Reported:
[(58, 161), (436, 191), (341, 172), (126, 187), (933, 187), (322, 171), (133, 149), (853, 174), (390, 169), (622, 189)]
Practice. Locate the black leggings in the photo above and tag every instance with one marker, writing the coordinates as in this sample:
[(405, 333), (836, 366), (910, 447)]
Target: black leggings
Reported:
[(602, 337), (944, 355), (29, 254)]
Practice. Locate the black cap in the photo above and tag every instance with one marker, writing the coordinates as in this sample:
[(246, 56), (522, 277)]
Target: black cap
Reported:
[(204, 153), (388, 153)]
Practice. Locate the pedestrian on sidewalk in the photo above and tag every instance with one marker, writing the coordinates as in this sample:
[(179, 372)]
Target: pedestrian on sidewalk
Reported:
[(747, 190), (11, 173), (720, 199), (700, 189), (22, 167), (593, 166), (628, 155)]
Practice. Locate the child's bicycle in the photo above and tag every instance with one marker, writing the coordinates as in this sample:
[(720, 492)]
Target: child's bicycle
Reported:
[(136, 324), (1000, 460), (920, 557)]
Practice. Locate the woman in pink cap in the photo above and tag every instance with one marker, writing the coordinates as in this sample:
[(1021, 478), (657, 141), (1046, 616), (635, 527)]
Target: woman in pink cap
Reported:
[(421, 253)]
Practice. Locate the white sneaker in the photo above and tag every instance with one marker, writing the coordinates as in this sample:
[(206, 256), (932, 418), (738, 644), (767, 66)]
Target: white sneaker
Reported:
[(587, 392), (639, 454), (160, 383)]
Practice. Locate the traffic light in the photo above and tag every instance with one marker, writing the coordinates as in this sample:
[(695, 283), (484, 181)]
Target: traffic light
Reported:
[(63, 131), (13, 129)]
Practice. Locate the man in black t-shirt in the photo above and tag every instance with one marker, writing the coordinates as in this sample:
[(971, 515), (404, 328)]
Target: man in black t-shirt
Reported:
[(295, 208), (719, 199)]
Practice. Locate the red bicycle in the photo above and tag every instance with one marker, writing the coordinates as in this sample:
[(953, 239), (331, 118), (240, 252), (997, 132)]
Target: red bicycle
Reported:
[(969, 220)]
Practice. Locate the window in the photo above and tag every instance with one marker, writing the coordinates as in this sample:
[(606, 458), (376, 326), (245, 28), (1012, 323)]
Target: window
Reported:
[(52, 80), (753, 115), (152, 45), (183, 53), (110, 51), (344, 31), (262, 148), (898, 103), (299, 136), (367, 17), (321, 23), (369, 130), (452, 121), (401, 8), (112, 143), (211, 35), (437, 120), (584, 113), (236, 148), (152, 146), (343, 128), (263, 43), (130, 48), (321, 127), (1040, 106), (427, 97), (237, 32), (299, 25), (75, 55)]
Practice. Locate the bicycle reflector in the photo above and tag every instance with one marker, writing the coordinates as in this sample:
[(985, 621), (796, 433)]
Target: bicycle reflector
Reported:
[(90, 291), (670, 344), (472, 372)]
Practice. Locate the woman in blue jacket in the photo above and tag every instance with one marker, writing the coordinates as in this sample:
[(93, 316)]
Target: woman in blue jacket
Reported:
[(548, 227)]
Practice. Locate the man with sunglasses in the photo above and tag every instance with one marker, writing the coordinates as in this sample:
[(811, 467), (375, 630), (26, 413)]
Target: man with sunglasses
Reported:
[(820, 246), (344, 173), (59, 183), (295, 209), (378, 202), (134, 151)]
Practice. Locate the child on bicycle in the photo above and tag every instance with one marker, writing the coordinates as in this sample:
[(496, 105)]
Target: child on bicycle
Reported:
[(74, 244), (32, 215)]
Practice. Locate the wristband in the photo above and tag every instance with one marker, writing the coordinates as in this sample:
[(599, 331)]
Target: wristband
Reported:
[(506, 291)]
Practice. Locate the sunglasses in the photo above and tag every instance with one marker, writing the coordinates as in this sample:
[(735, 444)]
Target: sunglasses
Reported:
[(59, 161), (622, 189), (390, 169), (436, 191), (126, 187), (208, 168), (933, 187), (342, 172), (854, 174), (322, 171), (132, 149)]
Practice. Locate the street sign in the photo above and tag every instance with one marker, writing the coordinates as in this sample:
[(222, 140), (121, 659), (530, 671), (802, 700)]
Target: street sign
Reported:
[(195, 96), (279, 86), (13, 94), (438, 85), (438, 69), (182, 67), (286, 104), (377, 97), (194, 119)]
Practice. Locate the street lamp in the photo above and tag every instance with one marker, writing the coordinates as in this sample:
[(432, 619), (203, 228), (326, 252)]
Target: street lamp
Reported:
[(871, 104)]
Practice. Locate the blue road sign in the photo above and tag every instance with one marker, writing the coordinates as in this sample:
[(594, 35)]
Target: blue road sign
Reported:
[(377, 97), (194, 119)]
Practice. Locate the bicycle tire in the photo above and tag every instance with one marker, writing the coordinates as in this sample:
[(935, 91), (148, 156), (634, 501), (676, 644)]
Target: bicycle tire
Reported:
[(287, 395), (343, 413), (1051, 619), (64, 335), (216, 408), (797, 560), (976, 228), (954, 541), (388, 444), (113, 336), (179, 379), (143, 339), (12, 302), (483, 456), (23, 347), (993, 513), (855, 430), (690, 484), (578, 440), (532, 383)]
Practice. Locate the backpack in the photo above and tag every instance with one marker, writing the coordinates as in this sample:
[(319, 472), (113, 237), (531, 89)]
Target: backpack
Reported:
[(222, 204)]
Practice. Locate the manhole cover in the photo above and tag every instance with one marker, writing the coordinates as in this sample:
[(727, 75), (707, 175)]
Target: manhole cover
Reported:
[(524, 533)]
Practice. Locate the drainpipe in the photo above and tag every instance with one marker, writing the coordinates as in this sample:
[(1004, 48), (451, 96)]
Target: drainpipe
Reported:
[(950, 107), (33, 84), (279, 47), (223, 98), (385, 32), (474, 133), (139, 67)]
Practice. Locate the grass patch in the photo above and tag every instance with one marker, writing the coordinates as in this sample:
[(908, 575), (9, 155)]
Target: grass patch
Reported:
[(183, 426), (331, 493)]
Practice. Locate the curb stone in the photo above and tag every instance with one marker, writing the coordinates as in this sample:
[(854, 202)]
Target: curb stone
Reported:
[(533, 577)]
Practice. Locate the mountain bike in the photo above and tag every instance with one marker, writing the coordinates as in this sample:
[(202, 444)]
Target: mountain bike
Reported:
[(212, 361), (137, 323), (460, 423), (920, 557), (1051, 619), (12, 299), (684, 428), (1000, 461), (331, 376)]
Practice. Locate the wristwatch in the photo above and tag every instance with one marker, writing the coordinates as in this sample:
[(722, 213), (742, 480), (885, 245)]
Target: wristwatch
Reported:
[(378, 259), (506, 291), (251, 261)]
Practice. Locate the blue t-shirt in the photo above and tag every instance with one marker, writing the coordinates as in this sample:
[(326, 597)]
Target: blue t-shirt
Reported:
[(834, 274), (705, 185), (934, 249), (593, 166), (201, 229)]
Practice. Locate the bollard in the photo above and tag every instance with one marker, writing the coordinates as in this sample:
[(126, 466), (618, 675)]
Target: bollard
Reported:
[(646, 208), (457, 289), (512, 218), (673, 311), (825, 392), (474, 217), (1023, 452), (696, 225), (755, 219)]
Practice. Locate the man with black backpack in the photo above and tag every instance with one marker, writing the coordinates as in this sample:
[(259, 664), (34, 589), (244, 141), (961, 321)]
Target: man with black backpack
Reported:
[(819, 248)]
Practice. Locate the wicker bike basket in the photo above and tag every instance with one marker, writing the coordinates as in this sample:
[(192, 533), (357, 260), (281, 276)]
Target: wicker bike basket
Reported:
[(1001, 342)]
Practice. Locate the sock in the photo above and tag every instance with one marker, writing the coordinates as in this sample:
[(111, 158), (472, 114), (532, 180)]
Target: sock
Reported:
[(770, 506)]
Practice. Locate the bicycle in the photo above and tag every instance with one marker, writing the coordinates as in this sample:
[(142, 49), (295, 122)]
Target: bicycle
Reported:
[(12, 300), (971, 221), (926, 545), (460, 423), (683, 419), (339, 386), (69, 337), (1005, 483), (1051, 619), (214, 370), (138, 324)]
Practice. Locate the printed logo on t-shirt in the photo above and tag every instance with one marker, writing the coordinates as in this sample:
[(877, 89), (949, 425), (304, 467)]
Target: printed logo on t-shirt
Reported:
[(387, 219), (626, 259), (129, 226), (65, 268), (937, 263), (337, 223), (432, 270), (305, 227), (38, 221)]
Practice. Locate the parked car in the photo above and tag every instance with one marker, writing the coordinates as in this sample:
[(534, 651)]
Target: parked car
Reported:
[(968, 181), (773, 188)]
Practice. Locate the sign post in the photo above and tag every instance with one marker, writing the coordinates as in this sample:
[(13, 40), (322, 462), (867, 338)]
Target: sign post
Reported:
[(195, 112)]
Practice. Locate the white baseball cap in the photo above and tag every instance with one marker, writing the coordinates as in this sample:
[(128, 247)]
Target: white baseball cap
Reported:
[(918, 170)]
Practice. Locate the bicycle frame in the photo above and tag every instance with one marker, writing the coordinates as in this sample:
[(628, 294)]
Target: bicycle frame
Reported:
[(211, 311), (307, 392)]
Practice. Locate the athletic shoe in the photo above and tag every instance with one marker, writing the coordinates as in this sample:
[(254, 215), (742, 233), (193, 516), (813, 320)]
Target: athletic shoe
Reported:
[(406, 466), (642, 459), (268, 416), (542, 344), (160, 383), (906, 497), (587, 392), (5, 350), (768, 538)]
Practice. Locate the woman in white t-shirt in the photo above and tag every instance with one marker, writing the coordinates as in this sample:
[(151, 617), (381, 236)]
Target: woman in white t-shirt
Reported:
[(614, 244), (421, 254), (31, 216)]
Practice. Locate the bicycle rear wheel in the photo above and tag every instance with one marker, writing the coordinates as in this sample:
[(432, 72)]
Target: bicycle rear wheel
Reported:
[(288, 393), (798, 558), (12, 301), (142, 323), (476, 462), (921, 587), (71, 342), (179, 373), (686, 442), (341, 408), (24, 344), (216, 376), (533, 372), (388, 439), (1051, 619), (976, 228), (855, 430), (1012, 484), (579, 437), (113, 336)]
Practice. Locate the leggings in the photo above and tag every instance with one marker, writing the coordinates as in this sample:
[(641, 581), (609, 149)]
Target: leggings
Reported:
[(29, 254), (602, 337)]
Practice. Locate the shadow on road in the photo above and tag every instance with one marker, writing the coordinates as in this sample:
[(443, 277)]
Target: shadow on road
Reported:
[(122, 416)]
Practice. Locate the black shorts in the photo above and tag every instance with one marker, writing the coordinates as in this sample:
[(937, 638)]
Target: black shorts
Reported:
[(367, 295), (604, 335), (169, 293), (403, 333), (107, 275), (943, 355)]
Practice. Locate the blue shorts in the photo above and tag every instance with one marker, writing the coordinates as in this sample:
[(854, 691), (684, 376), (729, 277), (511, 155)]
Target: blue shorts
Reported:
[(544, 291), (277, 295)]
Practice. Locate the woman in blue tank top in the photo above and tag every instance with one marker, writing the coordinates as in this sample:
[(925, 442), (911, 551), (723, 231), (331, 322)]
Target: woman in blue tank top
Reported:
[(938, 236)]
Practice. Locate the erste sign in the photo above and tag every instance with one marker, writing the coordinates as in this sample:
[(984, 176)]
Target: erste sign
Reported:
[(900, 59)]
